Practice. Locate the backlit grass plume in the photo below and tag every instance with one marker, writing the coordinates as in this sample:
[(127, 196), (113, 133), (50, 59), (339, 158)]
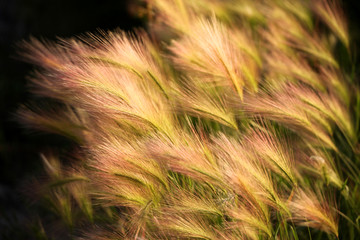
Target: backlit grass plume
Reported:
[(227, 120)]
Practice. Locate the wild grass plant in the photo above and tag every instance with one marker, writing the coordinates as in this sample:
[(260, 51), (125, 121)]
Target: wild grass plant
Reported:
[(224, 120)]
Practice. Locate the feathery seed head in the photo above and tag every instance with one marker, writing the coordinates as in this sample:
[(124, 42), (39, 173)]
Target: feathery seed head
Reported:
[(209, 52), (331, 14), (313, 212)]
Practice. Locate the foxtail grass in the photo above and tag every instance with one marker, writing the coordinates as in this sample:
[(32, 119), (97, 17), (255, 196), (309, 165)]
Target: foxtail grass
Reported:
[(225, 120)]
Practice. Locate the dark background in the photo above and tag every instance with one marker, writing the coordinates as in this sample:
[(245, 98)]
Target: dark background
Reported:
[(19, 148)]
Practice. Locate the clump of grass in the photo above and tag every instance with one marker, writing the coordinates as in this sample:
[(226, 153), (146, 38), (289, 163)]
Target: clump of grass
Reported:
[(239, 124)]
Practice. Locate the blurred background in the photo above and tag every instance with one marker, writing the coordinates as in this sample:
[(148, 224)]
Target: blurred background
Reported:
[(20, 163), (19, 148)]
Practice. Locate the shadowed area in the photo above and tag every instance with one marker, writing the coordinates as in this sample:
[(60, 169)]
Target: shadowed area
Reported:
[(19, 148)]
